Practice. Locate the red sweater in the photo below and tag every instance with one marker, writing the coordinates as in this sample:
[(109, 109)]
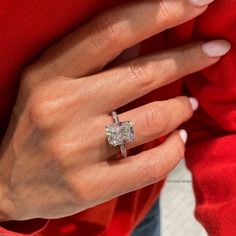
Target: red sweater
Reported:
[(30, 27)]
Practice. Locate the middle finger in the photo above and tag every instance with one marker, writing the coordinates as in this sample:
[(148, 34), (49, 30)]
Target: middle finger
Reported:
[(118, 86)]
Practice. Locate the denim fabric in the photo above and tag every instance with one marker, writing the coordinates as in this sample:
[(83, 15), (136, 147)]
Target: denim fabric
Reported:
[(150, 226)]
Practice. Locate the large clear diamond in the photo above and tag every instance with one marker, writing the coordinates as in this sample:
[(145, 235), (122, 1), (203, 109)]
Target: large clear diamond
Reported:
[(120, 133)]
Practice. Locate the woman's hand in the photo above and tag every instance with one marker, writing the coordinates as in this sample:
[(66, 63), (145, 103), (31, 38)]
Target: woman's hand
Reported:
[(55, 160)]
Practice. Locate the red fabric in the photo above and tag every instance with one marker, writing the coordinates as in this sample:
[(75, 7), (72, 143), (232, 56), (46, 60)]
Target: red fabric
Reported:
[(22, 228), (29, 27)]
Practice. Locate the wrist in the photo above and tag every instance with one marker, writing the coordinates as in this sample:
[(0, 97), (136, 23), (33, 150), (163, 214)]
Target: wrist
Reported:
[(6, 206)]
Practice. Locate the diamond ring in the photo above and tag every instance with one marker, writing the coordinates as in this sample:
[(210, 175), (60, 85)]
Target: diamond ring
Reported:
[(119, 133)]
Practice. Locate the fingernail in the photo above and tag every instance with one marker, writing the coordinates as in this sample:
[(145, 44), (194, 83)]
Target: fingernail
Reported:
[(201, 3), (194, 103), (216, 48), (184, 135)]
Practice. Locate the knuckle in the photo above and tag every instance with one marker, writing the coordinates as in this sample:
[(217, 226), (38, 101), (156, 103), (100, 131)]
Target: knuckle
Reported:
[(140, 72), (107, 30), (56, 148), (155, 119), (165, 12), (179, 148), (151, 174), (39, 113), (185, 57)]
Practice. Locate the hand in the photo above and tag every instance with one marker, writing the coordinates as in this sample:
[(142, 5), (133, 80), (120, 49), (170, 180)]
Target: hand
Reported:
[(55, 160)]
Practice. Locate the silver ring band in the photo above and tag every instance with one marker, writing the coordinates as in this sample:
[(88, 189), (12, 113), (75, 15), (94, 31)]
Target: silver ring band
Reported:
[(123, 150), (115, 116)]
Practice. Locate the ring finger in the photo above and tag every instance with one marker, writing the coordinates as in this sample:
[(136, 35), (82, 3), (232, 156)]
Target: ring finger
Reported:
[(150, 122), (125, 83)]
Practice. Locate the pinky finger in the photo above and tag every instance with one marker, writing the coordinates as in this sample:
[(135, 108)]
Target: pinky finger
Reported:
[(111, 179), (147, 167)]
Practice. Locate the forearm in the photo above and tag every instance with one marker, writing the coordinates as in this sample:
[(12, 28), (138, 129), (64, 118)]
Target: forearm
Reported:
[(6, 198), (5, 205), (9, 224)]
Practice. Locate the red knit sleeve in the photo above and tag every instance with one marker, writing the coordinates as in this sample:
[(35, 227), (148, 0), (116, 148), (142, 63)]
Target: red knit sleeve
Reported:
[(22, 228), (211, 150)]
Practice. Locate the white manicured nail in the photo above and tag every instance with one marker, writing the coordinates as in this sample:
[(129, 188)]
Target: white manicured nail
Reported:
[(184, 135), (194, 103), (216, 48), (201, 3)]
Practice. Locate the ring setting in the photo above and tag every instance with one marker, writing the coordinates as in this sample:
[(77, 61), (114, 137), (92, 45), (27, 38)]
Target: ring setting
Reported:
[(119, 133)]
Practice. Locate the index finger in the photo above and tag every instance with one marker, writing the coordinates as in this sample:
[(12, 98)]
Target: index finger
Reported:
[(95, 44)]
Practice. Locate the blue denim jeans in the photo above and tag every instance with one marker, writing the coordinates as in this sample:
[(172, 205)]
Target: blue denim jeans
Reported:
[(150, 226)]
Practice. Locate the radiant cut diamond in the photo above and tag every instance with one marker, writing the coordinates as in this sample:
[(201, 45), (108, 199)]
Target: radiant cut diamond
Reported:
[(120, 133)]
